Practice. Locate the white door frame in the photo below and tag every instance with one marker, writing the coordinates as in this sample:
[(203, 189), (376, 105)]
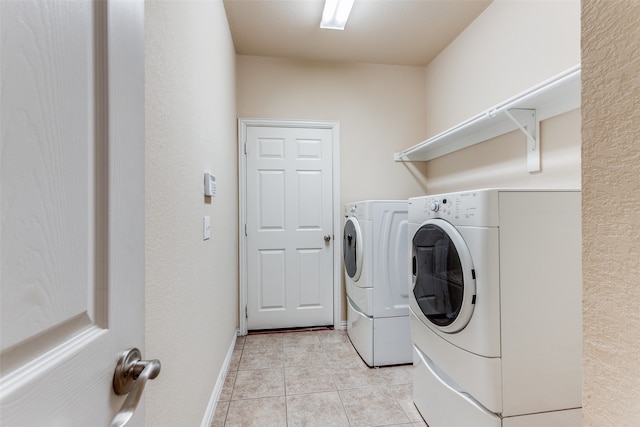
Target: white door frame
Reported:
[(243, 124)]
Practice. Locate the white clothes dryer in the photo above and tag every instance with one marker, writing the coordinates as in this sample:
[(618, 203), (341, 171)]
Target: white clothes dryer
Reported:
[(496, 308), (375, 254)]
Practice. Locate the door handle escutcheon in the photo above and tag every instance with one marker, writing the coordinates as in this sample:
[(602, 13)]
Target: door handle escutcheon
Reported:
[(130, 377)]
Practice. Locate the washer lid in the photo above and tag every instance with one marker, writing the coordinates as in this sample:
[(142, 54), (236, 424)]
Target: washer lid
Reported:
[(352, 248), (444, 283)]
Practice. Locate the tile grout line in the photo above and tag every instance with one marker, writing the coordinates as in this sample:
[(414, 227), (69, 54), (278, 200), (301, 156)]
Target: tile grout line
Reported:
[(324, 347), (233, 387)]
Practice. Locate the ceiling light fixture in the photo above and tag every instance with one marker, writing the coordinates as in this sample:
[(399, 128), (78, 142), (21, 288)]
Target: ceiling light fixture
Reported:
[(335, 14)]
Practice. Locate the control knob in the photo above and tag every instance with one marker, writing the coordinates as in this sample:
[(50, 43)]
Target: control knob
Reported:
[(434, 206)]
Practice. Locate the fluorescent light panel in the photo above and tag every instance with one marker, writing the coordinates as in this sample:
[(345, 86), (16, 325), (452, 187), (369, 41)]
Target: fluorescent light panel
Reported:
[(335, 14)]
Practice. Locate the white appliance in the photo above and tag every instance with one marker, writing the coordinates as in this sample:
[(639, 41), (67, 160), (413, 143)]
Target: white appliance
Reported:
[(375, 254), (496, 308)]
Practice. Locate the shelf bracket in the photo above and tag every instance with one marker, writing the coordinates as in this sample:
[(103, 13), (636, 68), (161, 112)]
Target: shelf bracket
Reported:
[(528, 124)]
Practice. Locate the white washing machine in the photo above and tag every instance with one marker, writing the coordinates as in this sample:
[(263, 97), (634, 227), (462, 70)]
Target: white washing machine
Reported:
[(496, 308), (375, 254)]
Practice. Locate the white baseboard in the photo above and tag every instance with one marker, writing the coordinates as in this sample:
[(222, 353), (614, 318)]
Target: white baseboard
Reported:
[(343, 325), (207, 420)]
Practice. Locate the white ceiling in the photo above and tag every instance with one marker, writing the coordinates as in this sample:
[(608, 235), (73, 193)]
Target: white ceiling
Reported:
[(400, 32)]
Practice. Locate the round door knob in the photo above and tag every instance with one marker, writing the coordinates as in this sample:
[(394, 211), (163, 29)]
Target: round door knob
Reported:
[(327, 238)]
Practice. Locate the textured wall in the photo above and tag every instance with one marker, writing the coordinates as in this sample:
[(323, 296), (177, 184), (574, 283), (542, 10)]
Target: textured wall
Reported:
[(611, 211), (191, 284)]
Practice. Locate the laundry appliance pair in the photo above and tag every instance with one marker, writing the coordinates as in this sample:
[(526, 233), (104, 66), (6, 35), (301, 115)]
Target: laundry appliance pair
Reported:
[(376, 260), (496, 308)]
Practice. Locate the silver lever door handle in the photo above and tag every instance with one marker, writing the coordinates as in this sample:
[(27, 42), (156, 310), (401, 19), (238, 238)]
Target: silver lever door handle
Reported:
[(130, 376)]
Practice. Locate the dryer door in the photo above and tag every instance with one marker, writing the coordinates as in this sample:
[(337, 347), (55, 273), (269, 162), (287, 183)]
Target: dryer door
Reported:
[(443, 276), (352, 248)]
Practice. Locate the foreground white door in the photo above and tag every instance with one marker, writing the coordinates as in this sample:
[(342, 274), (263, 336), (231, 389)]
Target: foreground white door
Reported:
[(289, 227), (72, 205)]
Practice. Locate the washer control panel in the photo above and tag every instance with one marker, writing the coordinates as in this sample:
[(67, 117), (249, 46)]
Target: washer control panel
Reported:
[(468, 208), (439, 206)]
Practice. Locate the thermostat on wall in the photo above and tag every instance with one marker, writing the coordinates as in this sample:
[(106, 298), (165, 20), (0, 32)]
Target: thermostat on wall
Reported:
[(209, 184)]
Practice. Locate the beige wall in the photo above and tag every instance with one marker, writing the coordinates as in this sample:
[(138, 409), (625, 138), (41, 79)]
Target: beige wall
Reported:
[(611, 211), (502, 161), (510, 47), (380, 108), (191, 284), (191, 307)]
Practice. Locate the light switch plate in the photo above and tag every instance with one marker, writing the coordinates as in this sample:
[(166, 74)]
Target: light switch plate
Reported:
[(206, 228)]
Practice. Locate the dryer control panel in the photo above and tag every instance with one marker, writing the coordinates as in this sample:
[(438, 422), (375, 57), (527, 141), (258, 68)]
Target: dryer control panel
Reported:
[(351, 209)]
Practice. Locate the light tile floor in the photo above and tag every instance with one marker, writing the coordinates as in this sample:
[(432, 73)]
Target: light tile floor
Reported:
[(311, 378)]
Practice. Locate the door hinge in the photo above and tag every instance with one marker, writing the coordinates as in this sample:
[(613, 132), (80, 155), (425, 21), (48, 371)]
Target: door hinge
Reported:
[(245, 148), (245, 230), (246, 312)]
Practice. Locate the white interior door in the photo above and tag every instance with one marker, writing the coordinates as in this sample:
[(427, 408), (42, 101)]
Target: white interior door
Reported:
[(289, 227), (72, 204)]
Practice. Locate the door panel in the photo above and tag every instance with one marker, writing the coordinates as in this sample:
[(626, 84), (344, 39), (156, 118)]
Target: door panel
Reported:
[(45, 170), (309, 270), (72, 204), (309, 206), (288, 213), (272, 280), (271, 200)]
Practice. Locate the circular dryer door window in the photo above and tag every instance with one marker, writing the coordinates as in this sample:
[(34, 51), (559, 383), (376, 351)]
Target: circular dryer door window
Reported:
[(352, 248), (443, 276)]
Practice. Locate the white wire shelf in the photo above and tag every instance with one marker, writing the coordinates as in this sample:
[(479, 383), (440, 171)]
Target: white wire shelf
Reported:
[(524, 111)]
